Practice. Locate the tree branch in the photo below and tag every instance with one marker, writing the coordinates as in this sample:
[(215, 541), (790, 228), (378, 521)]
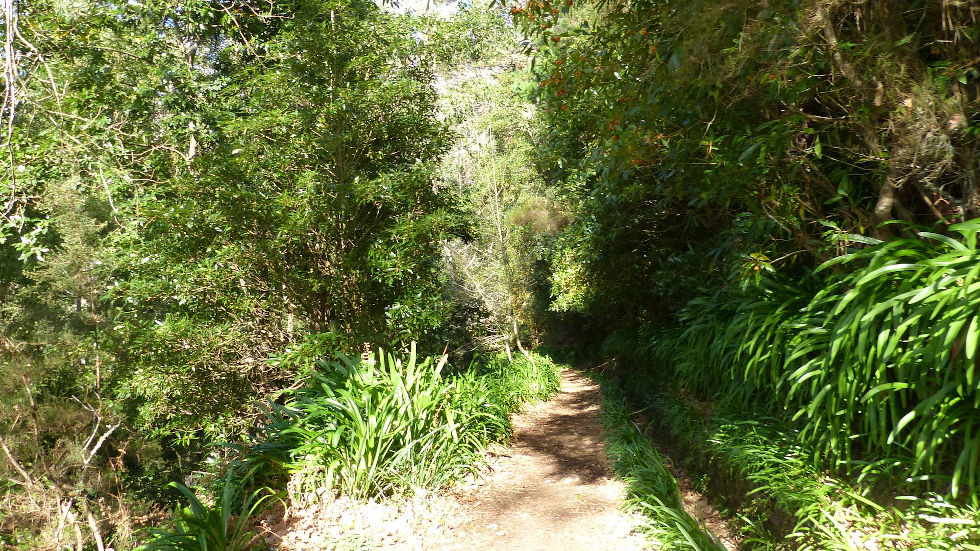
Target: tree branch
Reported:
[(28, 481), (830, 35)]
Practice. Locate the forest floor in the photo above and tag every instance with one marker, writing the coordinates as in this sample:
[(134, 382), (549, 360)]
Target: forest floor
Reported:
[(552, 487)]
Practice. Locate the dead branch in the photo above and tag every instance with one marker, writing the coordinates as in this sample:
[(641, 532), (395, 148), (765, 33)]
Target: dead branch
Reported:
[(101, 441), (830, 35), (28, 481)]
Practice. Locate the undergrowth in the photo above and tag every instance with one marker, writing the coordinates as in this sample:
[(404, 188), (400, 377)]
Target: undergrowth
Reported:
[(652, 489), (873, 357), (829, 512), (368, 429), (759, 469), (389, 425), (223, 526)]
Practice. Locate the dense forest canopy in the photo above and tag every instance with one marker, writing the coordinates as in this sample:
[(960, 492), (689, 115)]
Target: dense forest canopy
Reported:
[(756, 211)]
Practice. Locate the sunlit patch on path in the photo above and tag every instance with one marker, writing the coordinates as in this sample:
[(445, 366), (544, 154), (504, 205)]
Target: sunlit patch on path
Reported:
[(553, 487)]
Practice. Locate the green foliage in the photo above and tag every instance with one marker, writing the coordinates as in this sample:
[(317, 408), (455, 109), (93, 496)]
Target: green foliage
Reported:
[(829, 513), (495, 266), (528, 378), (370, 428), (759, 469), (388, 426), (302, 357), (773, 462), (307, 206), (704, 150), (224, 526), (653, 491), (874, 360), (195, 187), (705, 144), (328, 192), (476, 33), (188, 191), (689, 136)]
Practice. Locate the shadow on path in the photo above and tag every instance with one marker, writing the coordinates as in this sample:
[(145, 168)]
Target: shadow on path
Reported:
[(553, 487)]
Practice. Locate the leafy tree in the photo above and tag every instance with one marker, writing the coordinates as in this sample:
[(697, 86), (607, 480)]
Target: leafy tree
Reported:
[(693, 132), (192, 187)]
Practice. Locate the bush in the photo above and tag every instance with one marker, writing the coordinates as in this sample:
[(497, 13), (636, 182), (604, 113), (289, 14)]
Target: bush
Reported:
[(224, 526)]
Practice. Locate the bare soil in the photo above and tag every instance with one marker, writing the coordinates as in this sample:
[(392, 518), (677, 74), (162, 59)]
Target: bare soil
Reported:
[(553, 487)]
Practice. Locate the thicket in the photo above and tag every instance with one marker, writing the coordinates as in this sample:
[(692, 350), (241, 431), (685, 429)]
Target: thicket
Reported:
[(198, 201), (775, 203), (499, 266), (875, 362), (694, 137)]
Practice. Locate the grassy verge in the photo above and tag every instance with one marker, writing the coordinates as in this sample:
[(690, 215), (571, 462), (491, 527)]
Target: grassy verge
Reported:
[(652, 489), (385, 427), (784, 500)]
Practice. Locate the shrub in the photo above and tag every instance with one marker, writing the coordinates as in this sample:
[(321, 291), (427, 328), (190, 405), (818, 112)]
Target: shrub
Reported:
[(224, 526)]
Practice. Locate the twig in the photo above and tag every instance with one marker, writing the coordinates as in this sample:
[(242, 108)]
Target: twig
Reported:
[(70, 517), (28, 481), (100, 442), (823, 16), (92, 525), (95, 430), (932, 206), (108, 193), (33, 405)]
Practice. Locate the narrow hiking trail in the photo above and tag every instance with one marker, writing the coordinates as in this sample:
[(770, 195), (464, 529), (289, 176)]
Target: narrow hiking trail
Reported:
[(553, 487)]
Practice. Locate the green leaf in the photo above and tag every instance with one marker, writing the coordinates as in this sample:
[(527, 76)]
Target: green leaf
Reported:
[(972, 338), (882, 388)]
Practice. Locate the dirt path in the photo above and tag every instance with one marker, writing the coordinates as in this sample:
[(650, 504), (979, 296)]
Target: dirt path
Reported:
[(553, 487)]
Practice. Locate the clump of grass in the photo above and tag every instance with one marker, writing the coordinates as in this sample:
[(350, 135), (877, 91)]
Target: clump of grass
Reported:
[(829, 512), (778, 473), (864, 369), (653, 491), (373, 428), (389, 425), (765, 458), (224, 526), (529, 377)]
